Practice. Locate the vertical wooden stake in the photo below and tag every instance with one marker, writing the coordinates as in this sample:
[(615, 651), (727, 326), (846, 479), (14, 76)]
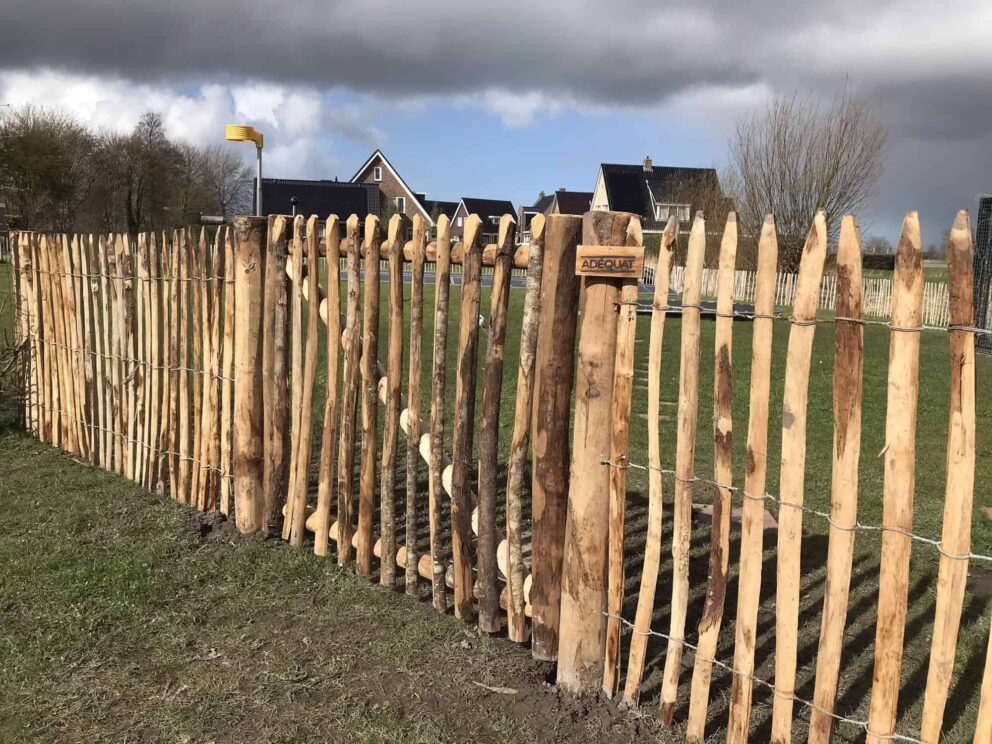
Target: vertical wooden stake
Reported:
[(394, 387), (723, 473), (755, 469), (227, 386), (184, 363), (413, 401), (652, 546), (370, 396), (900, 480), (328, 444), (442, 280), (248, 434), (584, 567), (956, 535), (685, 454), (199, 268), (492, 387), (296, 368), (349, 389), (554, 371), (790, 531)]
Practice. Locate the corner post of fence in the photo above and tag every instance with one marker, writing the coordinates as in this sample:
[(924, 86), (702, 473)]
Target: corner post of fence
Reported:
[(554, 369), (249, 446), (604, 260)]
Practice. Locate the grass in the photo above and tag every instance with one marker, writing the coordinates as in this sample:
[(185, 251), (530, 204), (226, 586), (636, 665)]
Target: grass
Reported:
[(859, 643)]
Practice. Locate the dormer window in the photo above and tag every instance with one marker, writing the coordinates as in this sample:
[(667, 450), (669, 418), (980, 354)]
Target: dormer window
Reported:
[(679, 211), (377, 173), (494, 219)]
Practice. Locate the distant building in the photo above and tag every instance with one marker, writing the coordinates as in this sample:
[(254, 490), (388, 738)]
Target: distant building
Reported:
[(489, 210), (983, 272), (656, 192), (322, 198), (561, 201)]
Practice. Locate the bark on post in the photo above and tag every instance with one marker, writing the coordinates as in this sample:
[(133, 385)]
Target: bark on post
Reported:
[(584, 567), (370, 396), (248, 434), (685, 455), (847, 384), (794, 416), (492, 387), (515, 618), (394, 387), (956, 534), (623, 388), (652, 546), (461, 450), (755, 468), (723, 473), (349, 390), (442, 278), (413, 401), (328, 443), (900, 480), (227, 387), (554, 370), (295, 263)]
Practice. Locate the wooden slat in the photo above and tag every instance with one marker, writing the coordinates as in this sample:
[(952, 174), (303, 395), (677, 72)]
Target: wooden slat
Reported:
[(464, 423), (899, 483), (394, 386), (184, 362), (370, 402), (959, 493), (295, 366), (227, 387), (439, 365), (847, 382), (623, 388), (723, 473), (155, 359), (684, 464), (793, 468), (211, 452), (350, 377), (584, 579), (413, 402), (554, 374), (520, 439), (168, 322), (198, 331), (652, 545), (329, 439)]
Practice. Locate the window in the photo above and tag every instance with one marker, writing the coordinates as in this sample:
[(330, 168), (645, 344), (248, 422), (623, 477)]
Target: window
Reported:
[(679, 211), (460, 220), (494, 219), (377, 173), (400, 202)]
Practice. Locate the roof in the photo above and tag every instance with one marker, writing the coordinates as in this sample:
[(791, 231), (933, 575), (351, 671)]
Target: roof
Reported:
[(487, 207), (322, 198), (438, 207), (382, 156), (630, 188), (543, 202), (573, 202)]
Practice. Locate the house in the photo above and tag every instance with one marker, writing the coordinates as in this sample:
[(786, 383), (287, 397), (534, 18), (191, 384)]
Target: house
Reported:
[(560, 202), (490, 210), (657, 192), (322, 198), (397, 197)]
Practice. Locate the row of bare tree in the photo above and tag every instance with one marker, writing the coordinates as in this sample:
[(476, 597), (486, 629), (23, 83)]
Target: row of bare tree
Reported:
[(56, 174)]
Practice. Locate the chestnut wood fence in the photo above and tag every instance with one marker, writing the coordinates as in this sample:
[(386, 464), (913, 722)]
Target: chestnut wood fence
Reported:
[(190, 364)]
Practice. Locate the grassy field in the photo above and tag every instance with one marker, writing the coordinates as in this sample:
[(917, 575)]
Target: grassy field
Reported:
[(931, 442)]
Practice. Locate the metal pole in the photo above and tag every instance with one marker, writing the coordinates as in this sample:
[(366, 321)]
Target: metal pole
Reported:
[(258, 183)]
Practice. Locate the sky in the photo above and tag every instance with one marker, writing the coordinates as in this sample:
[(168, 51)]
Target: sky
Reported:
[(503, 100)]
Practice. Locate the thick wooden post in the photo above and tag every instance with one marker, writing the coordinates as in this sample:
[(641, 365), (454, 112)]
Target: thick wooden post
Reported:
[(370, 396), (248, 431), (755, 469), (464, 424), (584, 569), (652, 546), (723, 473), (848, 358), (959, 493), (793, 468), (900, 480), (554, 371)]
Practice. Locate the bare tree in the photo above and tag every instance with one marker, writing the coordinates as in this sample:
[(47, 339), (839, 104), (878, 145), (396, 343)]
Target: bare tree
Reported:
[(228, 180), (797, 156)]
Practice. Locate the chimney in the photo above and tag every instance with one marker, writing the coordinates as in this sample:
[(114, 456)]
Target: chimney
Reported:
[(560, 189), (647, 164), (541, 195)]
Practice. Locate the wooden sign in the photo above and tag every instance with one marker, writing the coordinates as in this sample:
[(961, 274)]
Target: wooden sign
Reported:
[(622, 262)]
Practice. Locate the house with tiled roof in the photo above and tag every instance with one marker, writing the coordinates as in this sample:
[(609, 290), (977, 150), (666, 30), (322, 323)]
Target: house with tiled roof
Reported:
[(322, 198), (561, 201), (489, 210), (655, 192)]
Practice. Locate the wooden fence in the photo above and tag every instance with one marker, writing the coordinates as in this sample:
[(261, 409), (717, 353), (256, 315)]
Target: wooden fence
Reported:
[(190, 364)]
